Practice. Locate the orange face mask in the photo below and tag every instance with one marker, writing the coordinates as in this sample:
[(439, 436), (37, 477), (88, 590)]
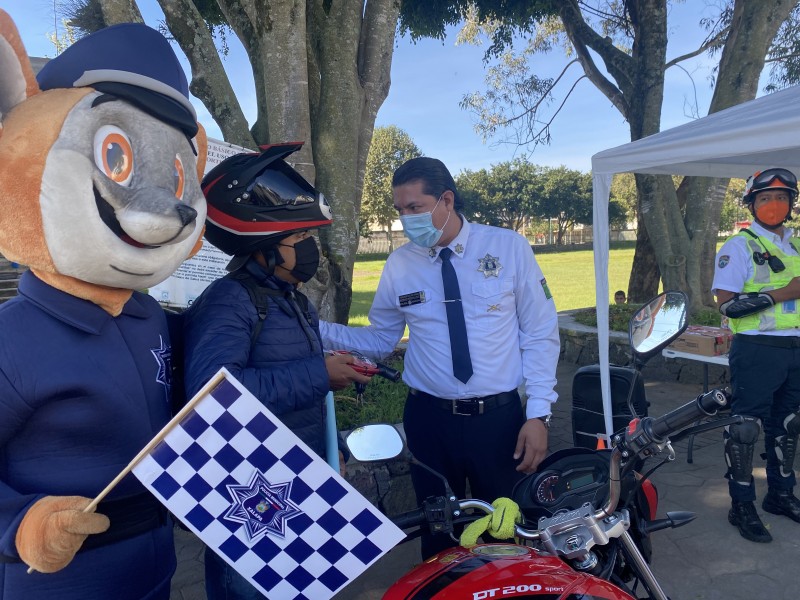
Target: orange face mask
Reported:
[(773, 212)]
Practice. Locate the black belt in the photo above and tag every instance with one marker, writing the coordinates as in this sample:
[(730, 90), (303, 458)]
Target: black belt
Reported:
[(468, 406), (776, 341), (129, 517)]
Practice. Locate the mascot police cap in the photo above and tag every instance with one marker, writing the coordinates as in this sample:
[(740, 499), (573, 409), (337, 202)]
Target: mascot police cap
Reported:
[(150, 78)]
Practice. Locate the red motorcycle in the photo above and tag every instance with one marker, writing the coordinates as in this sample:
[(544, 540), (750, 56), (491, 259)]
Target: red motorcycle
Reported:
[(586, 514)]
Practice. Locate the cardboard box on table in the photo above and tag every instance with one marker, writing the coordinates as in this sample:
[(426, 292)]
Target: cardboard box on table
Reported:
[(704, 340)]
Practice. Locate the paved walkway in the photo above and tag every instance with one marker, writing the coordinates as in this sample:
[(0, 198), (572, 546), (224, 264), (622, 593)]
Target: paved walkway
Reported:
[(704, 560)]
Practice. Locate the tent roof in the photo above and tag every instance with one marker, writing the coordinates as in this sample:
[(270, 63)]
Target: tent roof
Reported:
[(734, 142)]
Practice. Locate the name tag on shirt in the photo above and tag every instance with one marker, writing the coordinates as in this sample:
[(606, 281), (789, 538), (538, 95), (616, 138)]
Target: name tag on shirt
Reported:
[(411, 299)]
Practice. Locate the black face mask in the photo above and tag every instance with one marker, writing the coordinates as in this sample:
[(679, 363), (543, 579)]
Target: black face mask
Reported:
[(306, 259)]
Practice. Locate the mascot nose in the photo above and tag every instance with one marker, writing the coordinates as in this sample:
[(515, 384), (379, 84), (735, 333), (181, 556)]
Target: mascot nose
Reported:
[(186, 213)]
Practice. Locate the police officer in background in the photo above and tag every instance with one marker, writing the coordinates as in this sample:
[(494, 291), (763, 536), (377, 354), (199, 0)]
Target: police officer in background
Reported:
[(757, 288), (481, 321)]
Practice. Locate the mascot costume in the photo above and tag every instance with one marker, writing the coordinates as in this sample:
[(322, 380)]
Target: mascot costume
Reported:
[(99, 196)]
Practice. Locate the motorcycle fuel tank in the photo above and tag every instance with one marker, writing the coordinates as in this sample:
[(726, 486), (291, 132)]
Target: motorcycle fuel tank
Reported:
[(498, 571)]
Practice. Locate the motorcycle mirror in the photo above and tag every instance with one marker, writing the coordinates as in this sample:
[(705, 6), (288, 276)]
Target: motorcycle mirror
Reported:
[(658, 323), (370, 443)]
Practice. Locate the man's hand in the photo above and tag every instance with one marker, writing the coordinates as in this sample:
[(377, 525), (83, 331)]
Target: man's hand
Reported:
[(53, 530), (340, 373), (531, 445), (791, 291)]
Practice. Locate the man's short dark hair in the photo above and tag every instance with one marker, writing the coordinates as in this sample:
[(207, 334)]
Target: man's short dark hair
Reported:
[(433, 174)]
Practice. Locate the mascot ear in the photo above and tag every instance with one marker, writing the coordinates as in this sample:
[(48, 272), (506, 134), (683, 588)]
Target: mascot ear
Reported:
[(201, 145), (17, 81)]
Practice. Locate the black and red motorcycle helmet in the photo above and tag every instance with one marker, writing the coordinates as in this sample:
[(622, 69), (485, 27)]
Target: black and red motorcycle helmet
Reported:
[(257, 199)]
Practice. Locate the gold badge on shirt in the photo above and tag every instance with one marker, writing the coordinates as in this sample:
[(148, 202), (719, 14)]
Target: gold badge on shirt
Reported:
[(489, 265)]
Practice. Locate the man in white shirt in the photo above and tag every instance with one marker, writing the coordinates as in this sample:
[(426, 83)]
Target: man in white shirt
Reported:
[(463, 416)]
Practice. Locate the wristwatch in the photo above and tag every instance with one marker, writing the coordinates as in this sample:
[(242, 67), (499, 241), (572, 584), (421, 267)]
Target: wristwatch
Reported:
[(545, 419)]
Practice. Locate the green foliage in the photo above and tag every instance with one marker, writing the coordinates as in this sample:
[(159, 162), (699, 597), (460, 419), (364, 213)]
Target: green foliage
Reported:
[(732, 208), (383, 401), (430, 18), (706, 316), (619, 315), (390, 148), (784, 55), (623, 191), (518, 192), (566, 196), (503, 196), (84, 15)]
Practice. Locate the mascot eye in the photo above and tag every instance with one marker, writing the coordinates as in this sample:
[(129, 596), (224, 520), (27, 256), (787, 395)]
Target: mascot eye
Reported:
[(179, 178), (113, 154)]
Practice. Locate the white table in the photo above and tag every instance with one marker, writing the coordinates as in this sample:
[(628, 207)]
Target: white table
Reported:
[(721, 359)]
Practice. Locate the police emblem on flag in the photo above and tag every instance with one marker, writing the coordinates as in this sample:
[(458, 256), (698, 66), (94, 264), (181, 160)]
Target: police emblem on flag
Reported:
[(262, 507)]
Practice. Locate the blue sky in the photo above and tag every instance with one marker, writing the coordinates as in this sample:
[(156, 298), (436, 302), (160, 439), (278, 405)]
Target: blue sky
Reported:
[(429, 79)]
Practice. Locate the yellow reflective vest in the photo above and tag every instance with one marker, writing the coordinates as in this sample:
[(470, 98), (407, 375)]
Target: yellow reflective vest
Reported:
[(783, 315)]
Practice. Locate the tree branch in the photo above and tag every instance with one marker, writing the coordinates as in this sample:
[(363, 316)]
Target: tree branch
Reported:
[(715, 42)]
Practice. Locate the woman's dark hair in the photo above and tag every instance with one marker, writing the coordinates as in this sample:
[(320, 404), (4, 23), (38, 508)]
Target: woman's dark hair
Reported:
[(435, 177)]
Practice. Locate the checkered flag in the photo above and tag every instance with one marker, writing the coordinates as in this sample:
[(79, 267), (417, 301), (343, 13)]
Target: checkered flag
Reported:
[(257, 495)]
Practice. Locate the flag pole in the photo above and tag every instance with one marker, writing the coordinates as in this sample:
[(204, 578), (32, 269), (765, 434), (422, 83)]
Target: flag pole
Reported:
[(212, 383)]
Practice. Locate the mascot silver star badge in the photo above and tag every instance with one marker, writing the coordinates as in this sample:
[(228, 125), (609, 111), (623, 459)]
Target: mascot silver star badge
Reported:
[(489, 265)]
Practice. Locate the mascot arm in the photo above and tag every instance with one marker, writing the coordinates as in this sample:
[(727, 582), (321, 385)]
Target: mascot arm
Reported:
[(53, 530)]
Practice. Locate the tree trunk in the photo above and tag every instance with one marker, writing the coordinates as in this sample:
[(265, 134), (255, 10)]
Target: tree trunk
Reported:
[(645, 275), (120, 11), (209, 82), (321, 72), (353, 83)]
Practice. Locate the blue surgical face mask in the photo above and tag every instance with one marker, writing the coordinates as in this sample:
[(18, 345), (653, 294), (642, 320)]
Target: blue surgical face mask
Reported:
[(420, 229)]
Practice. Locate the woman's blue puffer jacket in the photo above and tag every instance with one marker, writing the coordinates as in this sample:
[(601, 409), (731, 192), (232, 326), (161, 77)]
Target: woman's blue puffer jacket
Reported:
[(284, 367)]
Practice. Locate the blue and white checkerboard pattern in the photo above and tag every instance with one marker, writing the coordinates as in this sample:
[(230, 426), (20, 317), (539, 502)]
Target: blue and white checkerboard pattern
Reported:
[(230, 439)]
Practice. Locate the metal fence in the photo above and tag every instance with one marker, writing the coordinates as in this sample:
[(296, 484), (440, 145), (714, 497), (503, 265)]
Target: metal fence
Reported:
[(378, 243)]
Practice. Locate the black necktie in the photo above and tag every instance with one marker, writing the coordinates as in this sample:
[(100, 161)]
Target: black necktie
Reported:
[(459, 348)]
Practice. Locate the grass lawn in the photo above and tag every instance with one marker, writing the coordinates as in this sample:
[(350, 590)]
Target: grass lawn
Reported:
[(570, 277)]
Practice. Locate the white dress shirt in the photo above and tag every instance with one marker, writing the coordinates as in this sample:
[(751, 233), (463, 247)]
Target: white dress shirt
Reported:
[(734, 265), (512, 324)]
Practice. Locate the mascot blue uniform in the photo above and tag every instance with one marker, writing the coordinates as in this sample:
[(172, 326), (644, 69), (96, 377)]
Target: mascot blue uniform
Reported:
[(100, 196)]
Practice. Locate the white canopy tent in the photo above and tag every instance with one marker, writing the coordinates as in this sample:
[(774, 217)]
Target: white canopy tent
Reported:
[(735, 142)]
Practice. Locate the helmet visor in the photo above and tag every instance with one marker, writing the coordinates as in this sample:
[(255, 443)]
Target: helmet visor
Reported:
[(765, 179), (276, 187)]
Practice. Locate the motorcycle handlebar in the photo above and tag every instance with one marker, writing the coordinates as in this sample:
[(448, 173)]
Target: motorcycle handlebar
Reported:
[(389, 373), (412, 518), (705, 405)]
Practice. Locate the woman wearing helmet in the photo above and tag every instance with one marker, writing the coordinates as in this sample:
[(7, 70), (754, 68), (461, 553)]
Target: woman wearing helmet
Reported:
[(254, 321), (756, 284)]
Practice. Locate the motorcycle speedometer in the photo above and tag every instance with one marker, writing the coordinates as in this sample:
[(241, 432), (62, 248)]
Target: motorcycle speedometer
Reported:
[(567, 479), (546, 488)]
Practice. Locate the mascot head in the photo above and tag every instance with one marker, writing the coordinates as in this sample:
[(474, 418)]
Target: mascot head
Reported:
[(100, 162)]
